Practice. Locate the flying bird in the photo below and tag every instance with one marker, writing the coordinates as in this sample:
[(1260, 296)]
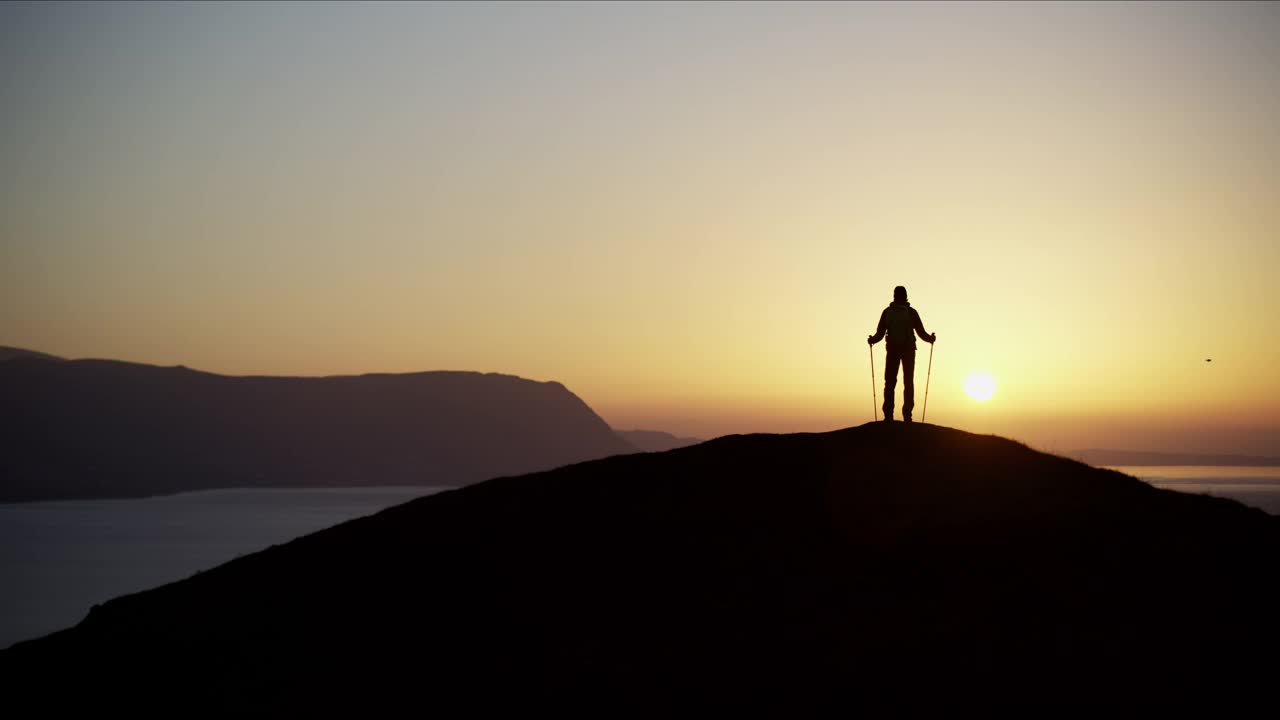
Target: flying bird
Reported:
[(1208, 359)]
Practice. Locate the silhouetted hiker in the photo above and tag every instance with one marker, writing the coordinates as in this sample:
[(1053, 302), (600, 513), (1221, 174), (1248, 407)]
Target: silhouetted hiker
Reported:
[(902, 323)]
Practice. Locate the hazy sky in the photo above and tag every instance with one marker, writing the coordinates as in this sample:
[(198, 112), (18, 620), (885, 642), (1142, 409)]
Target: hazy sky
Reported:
[(691, 215)]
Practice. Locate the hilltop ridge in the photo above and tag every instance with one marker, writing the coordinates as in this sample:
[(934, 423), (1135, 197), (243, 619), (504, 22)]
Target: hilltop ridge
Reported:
[(886, 565)]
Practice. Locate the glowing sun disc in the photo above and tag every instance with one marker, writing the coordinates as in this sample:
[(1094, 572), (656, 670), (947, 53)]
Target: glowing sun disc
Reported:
[(980, 386)]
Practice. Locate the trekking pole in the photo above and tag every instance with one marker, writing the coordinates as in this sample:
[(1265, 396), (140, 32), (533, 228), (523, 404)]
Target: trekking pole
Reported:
[(872, 356), (925, 414)]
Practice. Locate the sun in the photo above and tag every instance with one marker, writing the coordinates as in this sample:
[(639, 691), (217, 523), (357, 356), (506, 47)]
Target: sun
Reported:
[(980, 386)]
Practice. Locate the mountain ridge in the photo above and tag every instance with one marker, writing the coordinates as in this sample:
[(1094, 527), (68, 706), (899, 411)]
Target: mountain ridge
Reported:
[(1107, 456), (108, 428), (656, 440), (9, 353)]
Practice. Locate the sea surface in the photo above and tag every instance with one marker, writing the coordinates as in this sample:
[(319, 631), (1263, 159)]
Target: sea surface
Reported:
[(1256, 486), (58, 559)]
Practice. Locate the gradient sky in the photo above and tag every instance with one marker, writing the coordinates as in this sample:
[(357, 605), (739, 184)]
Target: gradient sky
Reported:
[(691, 215)]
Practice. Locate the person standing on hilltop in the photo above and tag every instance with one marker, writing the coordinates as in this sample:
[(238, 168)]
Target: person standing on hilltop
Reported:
[(902, 323)]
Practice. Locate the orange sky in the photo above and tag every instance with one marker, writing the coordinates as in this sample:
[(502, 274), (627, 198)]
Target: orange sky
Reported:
[(691, 215)]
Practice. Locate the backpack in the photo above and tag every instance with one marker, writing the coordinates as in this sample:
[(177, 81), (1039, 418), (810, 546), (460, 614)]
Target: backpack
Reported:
[(900, 324)]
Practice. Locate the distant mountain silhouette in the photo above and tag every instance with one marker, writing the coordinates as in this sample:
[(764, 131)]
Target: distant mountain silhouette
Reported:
[(888, 566), (1100, 456), (9, 353), (101, 428), (655, 441)]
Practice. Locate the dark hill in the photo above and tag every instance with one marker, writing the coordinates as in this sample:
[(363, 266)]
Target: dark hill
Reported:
[(100, 428), (9, 353), (884, 566), (1099, 456), (655, 441)]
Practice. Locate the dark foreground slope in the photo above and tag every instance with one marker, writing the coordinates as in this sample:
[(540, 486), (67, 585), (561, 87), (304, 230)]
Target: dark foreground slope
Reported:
[(100, 428), (885, 565)]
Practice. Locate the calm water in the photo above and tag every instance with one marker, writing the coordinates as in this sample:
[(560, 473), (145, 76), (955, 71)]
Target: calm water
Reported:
[(57, 559), (1256, 486)]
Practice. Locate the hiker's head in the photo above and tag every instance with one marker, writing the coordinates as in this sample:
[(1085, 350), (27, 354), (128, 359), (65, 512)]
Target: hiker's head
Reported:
[(899, 294)]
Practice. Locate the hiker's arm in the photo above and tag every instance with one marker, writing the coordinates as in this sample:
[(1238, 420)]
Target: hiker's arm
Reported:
[(880, 330), (920, 328)]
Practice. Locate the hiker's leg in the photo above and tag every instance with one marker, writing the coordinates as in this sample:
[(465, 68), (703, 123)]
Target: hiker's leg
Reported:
[(908, 381), (891, 359)]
